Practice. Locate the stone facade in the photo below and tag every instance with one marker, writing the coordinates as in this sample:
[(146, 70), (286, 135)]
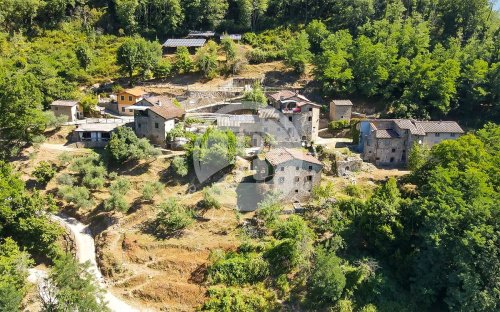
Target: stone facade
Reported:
[(291, 172), (389, 141), (302, 113), (340, 110), (70, 109)]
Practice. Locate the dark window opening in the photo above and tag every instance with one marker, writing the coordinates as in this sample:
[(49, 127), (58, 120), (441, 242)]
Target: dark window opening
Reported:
[(309, 178), (122, 97), (290, 118), (310, 119), (156, 125), (123, 109), (393, 150), (310, 168), (130, 98), (392, 159), (437, 135), (296, 191), (297, 179)]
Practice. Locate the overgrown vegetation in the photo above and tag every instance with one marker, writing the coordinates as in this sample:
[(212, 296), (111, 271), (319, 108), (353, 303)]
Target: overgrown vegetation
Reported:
[(172, 218), (124, 146)]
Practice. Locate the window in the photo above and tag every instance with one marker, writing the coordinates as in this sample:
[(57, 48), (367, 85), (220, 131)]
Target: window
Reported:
[(281, 180), (297, 168), (139, 126), (452, 135), (393, 150), (122, 97), (310, 109), (282, 168), (130, 111), (290, 118), (130, 98), (378, 158), (157, 125), (296, 191), (309, 119), (437, 135), (392, 159), (310, 168), (123, 109), (309, 178), (105, 136), (297, 179)]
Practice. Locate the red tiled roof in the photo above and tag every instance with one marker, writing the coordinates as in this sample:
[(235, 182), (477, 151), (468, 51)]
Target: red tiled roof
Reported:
[(281, 155), (134, 91)]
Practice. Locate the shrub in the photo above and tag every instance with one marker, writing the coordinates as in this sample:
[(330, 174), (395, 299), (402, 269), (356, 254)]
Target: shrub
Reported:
[(182, 61), (206, 60), (209, 197), (162, 69), (234, 299), (117, 199), (235, 269), (327, 281), (94, 177), (66, 179), (256, 95), (64, 158), (125, 145), (338, 125), (180, 166), (150, 189), (43, 172), (269, 209), (353, 190), (172, 218), (79, 196)]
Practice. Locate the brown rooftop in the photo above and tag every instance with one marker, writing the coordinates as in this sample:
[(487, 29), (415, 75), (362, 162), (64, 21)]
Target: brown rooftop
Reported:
[(167, 111), (134, 91), (439, 126), (342, 102), (68, 103)]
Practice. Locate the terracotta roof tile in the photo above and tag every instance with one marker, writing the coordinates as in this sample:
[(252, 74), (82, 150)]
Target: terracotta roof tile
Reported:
[(134, 91), (167, 111)]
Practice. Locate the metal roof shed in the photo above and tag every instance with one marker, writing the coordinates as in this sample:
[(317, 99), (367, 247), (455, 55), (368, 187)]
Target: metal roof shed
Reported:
[(174, 43)]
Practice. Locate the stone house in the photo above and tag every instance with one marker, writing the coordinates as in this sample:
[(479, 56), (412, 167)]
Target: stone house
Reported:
[(72, 109), (127, 98), (154, 117), (340, 110), (389, 141), (292, 172), (302, 113)]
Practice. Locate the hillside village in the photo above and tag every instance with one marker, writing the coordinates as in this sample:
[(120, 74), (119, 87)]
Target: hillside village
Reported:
[(236, 155)]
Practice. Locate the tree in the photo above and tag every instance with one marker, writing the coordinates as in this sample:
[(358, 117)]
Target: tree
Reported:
[(172, 218), (183, 63), (180, 166), (150, 189), (317, 32), (326, 282), (162, 69), (84, 55), (124, 145), (297, 53), (125, 13), (138, 54), (256, 96), (71, 287), (44, 172), (88, 103), (14, 265), (19, 97), (250, 11), (117, 199), (206, 60)]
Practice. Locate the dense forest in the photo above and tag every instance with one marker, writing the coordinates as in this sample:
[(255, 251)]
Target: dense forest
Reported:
[(427, 242), (424, 59)]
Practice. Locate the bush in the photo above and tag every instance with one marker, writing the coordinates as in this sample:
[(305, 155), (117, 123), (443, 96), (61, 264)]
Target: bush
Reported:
[(235, 269), (90, 170), (353, 191), (125, 145), (258, 56), (43, 172), (209, 197), (269, 209), (117, 199), (66, 179), (338, 125), (327, 281), (79, 196), (172, 218), (64, 158), (180, 166), (162, 69), (150, 189), (234, 299), (182, 62), (256, 95)]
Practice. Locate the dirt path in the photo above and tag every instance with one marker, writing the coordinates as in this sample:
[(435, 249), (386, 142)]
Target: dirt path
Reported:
[(85, 252)]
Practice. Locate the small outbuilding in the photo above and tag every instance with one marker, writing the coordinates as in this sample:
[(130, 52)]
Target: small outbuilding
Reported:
[(234, 37), (72, 109), (170, 46), (94, 134), (340, 110), (201, 34)]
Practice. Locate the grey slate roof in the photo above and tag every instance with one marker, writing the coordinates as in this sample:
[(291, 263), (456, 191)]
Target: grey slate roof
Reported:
[(342, 102), (439, 126), (407, 124), (280, 155), (68, 103), (386, 134), (206, 34), (174, 43)]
